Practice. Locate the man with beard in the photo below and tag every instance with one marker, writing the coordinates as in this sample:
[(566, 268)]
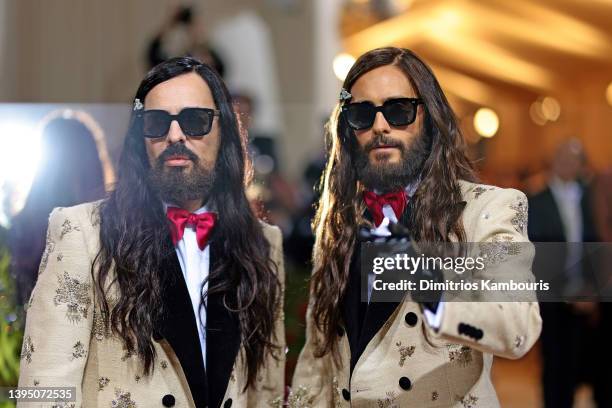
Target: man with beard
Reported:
[(397, 162), (168, 292)]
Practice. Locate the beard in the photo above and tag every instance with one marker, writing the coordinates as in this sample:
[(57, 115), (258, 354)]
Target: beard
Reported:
[(178, 184), (387, 177)]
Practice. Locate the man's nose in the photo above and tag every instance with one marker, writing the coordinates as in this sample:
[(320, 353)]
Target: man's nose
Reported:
[(175, 133), (380, 124)]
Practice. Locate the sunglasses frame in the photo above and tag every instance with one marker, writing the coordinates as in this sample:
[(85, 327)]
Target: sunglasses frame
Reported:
[(170, 118), (380, 108)]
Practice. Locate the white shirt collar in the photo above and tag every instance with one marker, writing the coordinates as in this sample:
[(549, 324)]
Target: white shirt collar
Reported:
[(200, 210), (410, 188)]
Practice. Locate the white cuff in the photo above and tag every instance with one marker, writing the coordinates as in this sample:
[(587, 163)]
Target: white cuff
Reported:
[(434, 319)]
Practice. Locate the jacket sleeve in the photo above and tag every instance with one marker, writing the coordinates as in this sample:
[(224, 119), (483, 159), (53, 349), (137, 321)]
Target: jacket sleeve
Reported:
[(312, 385), (504, 328), (271, 388), (60, 311)]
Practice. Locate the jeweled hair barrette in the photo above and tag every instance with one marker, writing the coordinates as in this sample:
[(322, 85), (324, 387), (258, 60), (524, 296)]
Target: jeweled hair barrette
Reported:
[(345, 95), (138, 105)]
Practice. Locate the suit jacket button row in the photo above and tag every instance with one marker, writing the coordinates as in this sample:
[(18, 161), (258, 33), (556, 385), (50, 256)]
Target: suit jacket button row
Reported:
[(168, 400), (346, 394), (411, 319), (405, 383), (470, 331)]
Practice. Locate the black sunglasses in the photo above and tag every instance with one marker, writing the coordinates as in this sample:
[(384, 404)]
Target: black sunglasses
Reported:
[(398, 112), (193, 121)]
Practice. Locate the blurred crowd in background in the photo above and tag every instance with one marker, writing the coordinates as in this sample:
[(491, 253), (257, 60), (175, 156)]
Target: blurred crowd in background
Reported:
[(568, 177)]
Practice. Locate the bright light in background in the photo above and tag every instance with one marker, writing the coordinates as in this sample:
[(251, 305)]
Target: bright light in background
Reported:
[(551, 108), (536, 114), (450, 18), (486, 122), (609, 94), (342, 65), (445, 22), (547, 109), (20, 154), (400, 6)]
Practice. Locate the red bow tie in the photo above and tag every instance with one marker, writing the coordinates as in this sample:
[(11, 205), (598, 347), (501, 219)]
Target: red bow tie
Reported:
[(397, 200), (203, 223)]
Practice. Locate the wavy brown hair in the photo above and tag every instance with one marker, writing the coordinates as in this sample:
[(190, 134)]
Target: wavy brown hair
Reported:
[(436, 205), (134, 237)]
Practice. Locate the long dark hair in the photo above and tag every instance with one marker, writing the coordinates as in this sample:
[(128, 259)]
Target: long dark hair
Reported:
[(437, 203), (134, 234)]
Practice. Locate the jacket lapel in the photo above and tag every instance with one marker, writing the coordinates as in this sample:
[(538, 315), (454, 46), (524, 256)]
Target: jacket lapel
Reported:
[(352, 308), (178, 326), (376, 315), (363, 320), (222, 333)]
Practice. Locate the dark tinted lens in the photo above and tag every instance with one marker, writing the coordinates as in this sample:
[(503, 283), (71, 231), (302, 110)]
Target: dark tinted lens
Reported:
[(195, 121), (360, 115), (399, 112), (155, 123)]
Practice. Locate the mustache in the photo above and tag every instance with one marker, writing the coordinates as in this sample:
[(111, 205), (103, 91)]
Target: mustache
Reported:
[(177, 149), (382, 140)]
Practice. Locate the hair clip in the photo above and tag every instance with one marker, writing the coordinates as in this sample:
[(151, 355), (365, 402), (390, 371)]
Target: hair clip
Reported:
[(345, 95), (138, 105)]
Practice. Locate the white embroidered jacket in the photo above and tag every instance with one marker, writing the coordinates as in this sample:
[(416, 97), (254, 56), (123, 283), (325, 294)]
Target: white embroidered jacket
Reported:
[(407, 363)]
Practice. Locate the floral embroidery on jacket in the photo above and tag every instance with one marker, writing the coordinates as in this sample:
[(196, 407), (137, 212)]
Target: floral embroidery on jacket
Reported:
[(78, 351), (122, 399), (63, 405), (67, 228), (478, 190), (519, 341), (496, 251), (99, 328), (49, 248), (337, 402), (277, 402), (102, 382), (388, 401), (468, 401), (95, 214), (75, 295), (300, 398), (461, 355), (27, 349), (405, 351), (519, 221)]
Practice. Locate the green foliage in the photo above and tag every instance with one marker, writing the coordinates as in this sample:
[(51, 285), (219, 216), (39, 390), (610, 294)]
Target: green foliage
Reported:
[(11, 330)]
